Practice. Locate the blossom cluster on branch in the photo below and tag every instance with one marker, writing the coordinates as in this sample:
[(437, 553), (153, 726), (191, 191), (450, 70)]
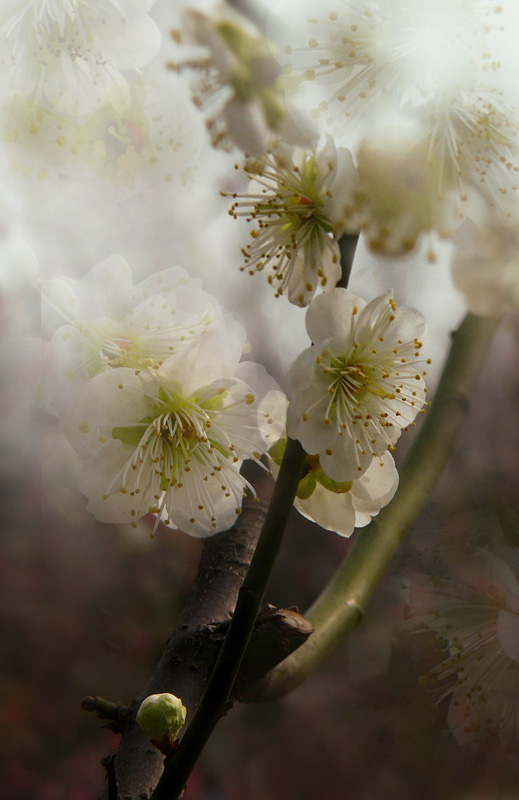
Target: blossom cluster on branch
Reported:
[(259, 159)]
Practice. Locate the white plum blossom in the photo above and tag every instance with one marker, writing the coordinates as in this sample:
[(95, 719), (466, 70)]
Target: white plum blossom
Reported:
[(237, 84), (470, 600), (351, 393), (104, 322), (485, 266), (171, 441), (69, 55), (296, 202), (341, 506), (399, 193), (151, 137), (38, 143)]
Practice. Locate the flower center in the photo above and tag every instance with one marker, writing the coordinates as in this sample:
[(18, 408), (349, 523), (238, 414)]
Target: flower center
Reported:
[(289, 211), (182, 447), (349, 383), (291, 199), (171, 440)]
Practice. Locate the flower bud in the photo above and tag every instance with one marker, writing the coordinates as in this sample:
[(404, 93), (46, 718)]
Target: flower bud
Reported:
[(161, 716)]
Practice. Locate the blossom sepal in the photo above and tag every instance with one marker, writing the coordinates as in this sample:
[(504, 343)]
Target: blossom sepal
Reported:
[(343, 506)]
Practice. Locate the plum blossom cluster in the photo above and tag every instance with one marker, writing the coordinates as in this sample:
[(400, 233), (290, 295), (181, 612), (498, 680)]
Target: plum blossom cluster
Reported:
[(153, 396), (470, 601)]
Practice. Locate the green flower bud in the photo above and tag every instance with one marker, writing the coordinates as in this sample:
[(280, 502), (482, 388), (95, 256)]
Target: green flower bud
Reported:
[(161, 716)]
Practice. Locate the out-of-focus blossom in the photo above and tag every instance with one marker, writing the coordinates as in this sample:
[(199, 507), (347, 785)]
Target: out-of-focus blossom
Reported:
[(103, 322), (485, 267), (346, 505), (398, 192), (429, 60), (39, 143), (152, 136), (471, 601), (171, 442), (296, 202), (359, 385), (69, 55), (237, 88), (360, 52)]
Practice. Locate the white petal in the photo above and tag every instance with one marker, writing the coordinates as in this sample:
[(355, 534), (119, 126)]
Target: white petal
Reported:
[(115, 398), (332, 511), (374, 489), (105, 291), (330, 315), (219, 510), (211, 357), (96, 478)]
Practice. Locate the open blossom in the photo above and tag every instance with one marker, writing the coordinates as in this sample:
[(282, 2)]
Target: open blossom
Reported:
[(341, 506), (471, 603), (485, 267), (68, 55), (237, 87), (104, 322), (359, 385), (296, 203), (171, 441)]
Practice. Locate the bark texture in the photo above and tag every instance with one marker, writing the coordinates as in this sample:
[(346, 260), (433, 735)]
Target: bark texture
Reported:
[(190, 653)]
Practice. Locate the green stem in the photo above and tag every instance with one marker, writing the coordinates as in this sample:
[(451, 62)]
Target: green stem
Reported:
[(341, 604), (178, 766)]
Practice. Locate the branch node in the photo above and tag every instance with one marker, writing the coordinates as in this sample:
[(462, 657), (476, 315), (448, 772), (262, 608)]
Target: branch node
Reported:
[(114, 712)]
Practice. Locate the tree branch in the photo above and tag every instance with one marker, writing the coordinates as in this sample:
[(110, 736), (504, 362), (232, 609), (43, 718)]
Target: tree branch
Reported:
[(191, 651), (179, 765)]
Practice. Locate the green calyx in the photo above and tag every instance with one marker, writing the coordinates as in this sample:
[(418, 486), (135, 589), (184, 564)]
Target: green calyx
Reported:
[(313, 474), (132, 434)]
